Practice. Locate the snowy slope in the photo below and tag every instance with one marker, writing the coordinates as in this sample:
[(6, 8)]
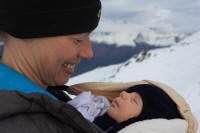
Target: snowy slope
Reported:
[(177, 66)]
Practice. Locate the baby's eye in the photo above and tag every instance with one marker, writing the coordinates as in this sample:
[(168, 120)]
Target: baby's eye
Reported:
[(134, 101)]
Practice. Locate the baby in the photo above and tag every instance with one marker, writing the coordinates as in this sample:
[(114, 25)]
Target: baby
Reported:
[(137, 103)]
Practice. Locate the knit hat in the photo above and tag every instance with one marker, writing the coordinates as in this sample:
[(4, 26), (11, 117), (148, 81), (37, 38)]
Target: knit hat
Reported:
[(43, 18), (156, 104)]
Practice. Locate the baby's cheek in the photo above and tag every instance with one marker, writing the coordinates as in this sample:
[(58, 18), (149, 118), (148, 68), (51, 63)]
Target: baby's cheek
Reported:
[(136, 112)]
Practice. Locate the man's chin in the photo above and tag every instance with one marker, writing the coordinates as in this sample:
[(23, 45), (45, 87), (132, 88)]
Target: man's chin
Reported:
[(61, 82)]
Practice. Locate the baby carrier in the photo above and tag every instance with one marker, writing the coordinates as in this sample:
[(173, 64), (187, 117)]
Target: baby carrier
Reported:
[(112, 90)]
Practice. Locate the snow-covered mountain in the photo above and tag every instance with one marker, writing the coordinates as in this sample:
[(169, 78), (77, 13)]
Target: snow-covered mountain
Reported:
[(177, 66), (152, 36)]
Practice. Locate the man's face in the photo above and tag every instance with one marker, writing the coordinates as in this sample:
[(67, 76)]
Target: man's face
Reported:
[(126, 106), (55, 57)]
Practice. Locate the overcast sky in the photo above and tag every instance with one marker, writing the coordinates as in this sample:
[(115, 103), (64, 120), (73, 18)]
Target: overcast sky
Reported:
[(183, 15)]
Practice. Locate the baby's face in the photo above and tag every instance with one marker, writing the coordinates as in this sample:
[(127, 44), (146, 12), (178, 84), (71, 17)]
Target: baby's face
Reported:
[(126, 106)]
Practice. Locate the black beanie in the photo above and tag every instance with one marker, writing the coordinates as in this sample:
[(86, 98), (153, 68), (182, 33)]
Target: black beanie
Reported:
[(43, 18), (156, 104)]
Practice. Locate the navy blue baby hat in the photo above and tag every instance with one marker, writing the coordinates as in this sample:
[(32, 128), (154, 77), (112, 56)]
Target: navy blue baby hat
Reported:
[(156, 104)]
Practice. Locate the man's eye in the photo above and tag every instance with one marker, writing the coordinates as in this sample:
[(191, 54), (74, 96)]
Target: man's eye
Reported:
[(78, 41)]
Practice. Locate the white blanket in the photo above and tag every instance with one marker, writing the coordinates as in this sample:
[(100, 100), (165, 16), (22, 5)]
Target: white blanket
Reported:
[(90, 106), (157, 126)]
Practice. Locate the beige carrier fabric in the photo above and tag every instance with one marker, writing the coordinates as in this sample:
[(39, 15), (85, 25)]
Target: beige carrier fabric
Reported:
[(112, 90), (109, 90)]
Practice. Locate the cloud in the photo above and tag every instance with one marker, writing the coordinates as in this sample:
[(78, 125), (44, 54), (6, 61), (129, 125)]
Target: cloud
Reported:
[(182, 14)]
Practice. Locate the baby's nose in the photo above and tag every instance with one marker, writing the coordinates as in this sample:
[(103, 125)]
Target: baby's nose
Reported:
[(123, 94)]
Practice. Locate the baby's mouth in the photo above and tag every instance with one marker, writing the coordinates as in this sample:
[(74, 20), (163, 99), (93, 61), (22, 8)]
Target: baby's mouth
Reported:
[(115, 103)]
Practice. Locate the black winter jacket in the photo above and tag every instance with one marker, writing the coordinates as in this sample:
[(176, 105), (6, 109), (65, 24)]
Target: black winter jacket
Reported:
[(39, 113)]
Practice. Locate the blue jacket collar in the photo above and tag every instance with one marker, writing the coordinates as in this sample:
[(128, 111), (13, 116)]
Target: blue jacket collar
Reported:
[(12, 80)]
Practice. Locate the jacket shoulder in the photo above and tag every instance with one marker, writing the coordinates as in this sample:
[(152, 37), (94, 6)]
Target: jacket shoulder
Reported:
[(37, 112)]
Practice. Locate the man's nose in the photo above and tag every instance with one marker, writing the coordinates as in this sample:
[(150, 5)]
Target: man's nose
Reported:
[(86, 51)]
